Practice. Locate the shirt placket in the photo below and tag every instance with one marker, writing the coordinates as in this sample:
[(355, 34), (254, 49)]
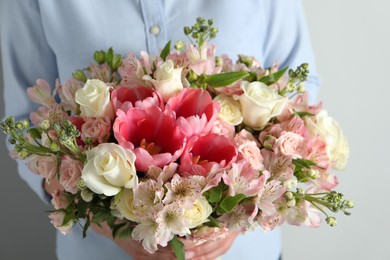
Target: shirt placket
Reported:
[(153, 15)]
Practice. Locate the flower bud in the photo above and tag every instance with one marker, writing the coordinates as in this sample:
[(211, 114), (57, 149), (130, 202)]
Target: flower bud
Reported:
[(301, 89), (180, 45), (79, 75), (218, 61), (313, 174), (331, 221), (349, 204), (45, 124), (289, 184), (300, 192), (289, 195), (98, 56), (86, 195), (54, 146)]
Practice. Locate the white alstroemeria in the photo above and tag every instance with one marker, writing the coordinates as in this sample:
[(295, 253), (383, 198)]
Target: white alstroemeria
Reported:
[(173, 217), (148, 194), (152, 231), (183, 190)]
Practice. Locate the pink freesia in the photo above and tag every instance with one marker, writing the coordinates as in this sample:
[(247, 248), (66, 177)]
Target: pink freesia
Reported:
[(125, 98), (195, 111), (204, 152), (70, 173), (41, 93), (151, 134)]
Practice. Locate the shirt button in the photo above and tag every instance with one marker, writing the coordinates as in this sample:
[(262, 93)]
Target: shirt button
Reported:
[(155, 30)]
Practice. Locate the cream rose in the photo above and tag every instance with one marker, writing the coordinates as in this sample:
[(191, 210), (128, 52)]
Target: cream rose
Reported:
[(199, 213), (109, 168), (125, 205), (337, 146), (230, 110), (167, 80), (259, 103), (94, 99)]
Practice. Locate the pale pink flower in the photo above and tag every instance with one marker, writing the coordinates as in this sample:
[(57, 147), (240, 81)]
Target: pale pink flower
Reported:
[(248, 149), (41, 93), (202, 153), (220, 127), (44, 166), (59, 200), (304, 213), (54, 113), (292, 144), (317, 153), (202, 60), (67, 93), (146, 196), (101, 72), (172, 217), (70, 173), (269, 135), (183, 190), (151, 134), (296, 125), (270, 222), (57, 220), (272, 191), (240, 218), (95, 129), (125, 98), (301, 104), (195, 111), (279, 165), (208, 234), (243, 179), (325, 182), (163, 174)]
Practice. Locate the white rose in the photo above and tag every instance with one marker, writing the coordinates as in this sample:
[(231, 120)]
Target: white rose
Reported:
[(167, 80), (94, 99), (329, 130), (230, 111), (199, 213), (109, 168), (259, 103), (125, 205)]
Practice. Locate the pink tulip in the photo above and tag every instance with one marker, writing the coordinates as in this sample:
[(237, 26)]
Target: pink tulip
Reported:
[(151, 134), (206, 151), (195, 110), (139, 96)]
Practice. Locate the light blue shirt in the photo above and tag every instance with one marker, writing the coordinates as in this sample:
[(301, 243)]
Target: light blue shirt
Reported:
[(51, 39)]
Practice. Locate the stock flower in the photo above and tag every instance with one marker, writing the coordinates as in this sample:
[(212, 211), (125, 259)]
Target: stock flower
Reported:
[(199, 213), (94, 99), (202, 153), (259, 103), (195, 111), (167, 80), (152, 134), (70, 173), (329, 130), (109, 167), (125, 98)]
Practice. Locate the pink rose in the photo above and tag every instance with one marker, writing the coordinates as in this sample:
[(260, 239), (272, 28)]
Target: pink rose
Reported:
[(292, 144), (220, 127), (57, 220), (97, 130), (248, 149), (70, 173), (44, 166), (59, 200)]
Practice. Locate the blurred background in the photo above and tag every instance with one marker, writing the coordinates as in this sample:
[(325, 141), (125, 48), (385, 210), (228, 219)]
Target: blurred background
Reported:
[(351, 40)]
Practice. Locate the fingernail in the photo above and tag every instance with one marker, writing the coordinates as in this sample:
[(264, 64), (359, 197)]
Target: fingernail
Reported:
[(189, 254)]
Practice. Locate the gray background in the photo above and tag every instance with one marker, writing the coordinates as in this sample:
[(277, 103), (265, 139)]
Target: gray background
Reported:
[(351, 40)]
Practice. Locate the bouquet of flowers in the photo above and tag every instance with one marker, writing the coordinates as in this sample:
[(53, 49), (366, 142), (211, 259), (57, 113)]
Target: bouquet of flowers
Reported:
[(185, 144)]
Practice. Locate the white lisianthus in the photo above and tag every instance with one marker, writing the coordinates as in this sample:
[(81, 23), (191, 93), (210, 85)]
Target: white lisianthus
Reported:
[(125, 205), (259, 103), (328, 129), (94, 99), (199, 213), (109, 168), (230, 111), (167, 80)]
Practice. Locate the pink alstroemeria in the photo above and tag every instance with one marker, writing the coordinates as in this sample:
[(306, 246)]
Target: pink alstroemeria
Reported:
[(125, 98), (243, 179), (202, 153), (41, 93), (53, 113), (67, 93), (202, 60), (272, 191), (151, 134), (182, 190), (195, 111)]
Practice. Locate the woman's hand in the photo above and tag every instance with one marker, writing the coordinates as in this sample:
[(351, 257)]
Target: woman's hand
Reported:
[(209, 250)]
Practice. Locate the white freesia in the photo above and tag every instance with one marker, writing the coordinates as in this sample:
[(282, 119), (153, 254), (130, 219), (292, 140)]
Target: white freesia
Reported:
[(337, 146), (199, 213), (167, 80), (109, 168), (230, 110), (94, 99), (259, 103)]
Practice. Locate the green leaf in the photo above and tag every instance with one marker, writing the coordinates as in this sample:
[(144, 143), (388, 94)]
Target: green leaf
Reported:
[(82, 207), (178, 248), (35, 133), (101, 216), (86, 226), (225, 79), (164, 53), (118, 196), (303, 114), (215, 193), (213, 222), (274, 77), (109, 56), (122, 230), (116, 62), (301, 163), (229, 203)]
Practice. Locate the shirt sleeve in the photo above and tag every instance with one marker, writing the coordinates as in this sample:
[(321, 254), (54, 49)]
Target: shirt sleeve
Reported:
[(26, 56), (288, 42)]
